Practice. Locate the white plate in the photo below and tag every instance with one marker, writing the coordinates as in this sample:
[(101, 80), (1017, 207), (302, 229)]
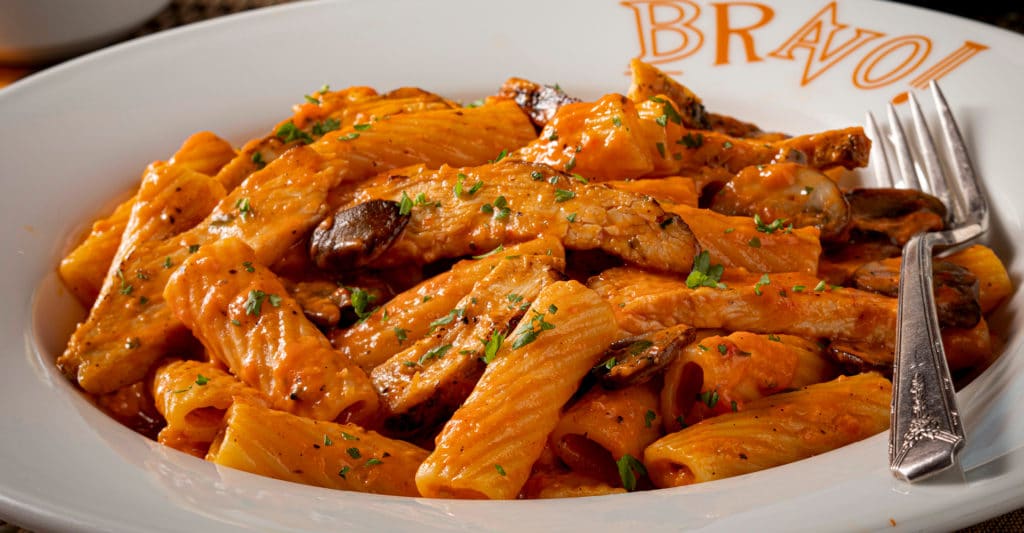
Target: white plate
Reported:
[(79, 134)]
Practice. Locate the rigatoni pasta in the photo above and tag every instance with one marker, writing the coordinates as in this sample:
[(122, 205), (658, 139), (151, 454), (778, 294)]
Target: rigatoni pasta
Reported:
[(527, 297)]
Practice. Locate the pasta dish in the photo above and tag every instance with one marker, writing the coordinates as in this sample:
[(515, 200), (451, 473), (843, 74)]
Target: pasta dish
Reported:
[(529, 296)]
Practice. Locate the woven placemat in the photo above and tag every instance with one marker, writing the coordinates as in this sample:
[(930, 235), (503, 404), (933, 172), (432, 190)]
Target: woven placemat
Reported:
[(181, 12)]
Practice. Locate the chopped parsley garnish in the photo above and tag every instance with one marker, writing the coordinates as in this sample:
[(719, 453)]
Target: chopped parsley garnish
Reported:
[(649, 417), (608, 364), (351, 136), (328, 125), (571, 217), (729, 230), (235, 322), (274, 300), (754, 242), (125, 287), (617, 120), (500, 156), (799, 288), (143, 300), (820, 286), (327, 440), (774, 338), (536, 175), (768, 228), (704, 274), (361, 301), (492, 346), (761, 283), (348, 436), (553, 136), (343, 472), (400, 334), (500, 208), (361, 127), (668, 112), (500, 469), (723, 349), (288, 132), (552, 309), (571, 164), (629, 468), (528, 332), (692, 141), (405, 205), (447, 319), (244, 208), (354, 453), (257, 159), (727, 145), (709, 398), (201, 380), (167, 262), (373, 461), (247, 265), (562, 195), (733, 406), (254, 302), (434, 353)]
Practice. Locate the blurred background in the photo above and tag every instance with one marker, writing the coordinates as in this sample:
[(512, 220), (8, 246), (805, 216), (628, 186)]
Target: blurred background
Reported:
[(144, 17)]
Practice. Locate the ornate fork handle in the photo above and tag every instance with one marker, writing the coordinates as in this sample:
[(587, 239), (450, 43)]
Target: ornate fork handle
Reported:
[(926, 432)]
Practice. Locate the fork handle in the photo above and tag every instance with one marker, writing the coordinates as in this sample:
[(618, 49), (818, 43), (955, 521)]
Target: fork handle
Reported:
[(926, 432)]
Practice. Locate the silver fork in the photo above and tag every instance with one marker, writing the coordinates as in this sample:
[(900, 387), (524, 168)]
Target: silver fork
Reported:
[(925, 432)]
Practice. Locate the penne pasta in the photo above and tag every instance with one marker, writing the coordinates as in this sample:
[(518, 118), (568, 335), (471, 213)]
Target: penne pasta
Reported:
[(325, 454), (743, 367), (487, 448), (243, 316), (603, 426), (772, 431), (193, 397), (162, 211)]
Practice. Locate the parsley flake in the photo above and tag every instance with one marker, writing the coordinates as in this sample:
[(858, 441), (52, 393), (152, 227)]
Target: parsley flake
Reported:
[(649, 417), (562, 195), (499, 469), (254, 302), (704, 274), (288, 132), (761, 283), (492, 346), (629, 468)]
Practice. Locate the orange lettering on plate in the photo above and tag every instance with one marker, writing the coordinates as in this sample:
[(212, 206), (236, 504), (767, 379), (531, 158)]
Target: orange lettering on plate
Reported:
[(944, 66), (915, 47), (824, 25), (665, 28), (725, 30)]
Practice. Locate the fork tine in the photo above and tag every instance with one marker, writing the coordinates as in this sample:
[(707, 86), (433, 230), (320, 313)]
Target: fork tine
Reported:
[(904, 161), (879, 160), (934, 178), (970, 204)]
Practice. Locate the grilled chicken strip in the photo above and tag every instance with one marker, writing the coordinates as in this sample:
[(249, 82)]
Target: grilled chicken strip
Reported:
[(796, 304), (458, 212), (615, 138)]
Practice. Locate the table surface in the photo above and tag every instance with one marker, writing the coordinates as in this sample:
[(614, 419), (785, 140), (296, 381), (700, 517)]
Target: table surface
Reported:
[(181, 12)]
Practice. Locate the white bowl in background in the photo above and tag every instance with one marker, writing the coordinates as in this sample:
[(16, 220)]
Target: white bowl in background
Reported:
[(34, 32)]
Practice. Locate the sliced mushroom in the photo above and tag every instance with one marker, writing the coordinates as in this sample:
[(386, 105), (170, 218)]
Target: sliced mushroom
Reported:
[(955, 289), (539, 102), (353, 237), (855, 358), (634, 360), (898, 214), (792, 192)]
